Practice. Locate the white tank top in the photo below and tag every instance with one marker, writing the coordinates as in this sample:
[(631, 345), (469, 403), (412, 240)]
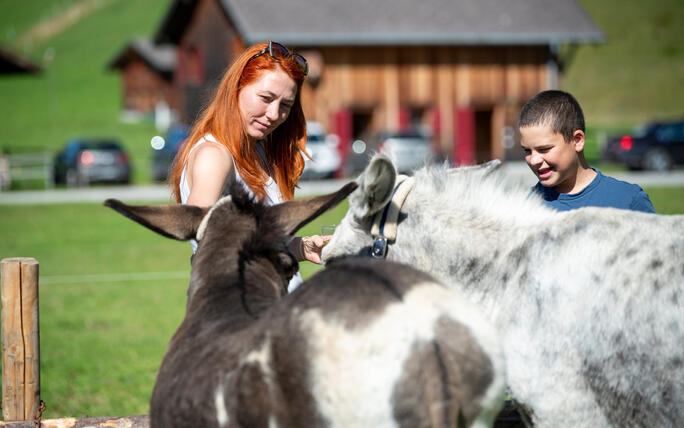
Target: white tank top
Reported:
[(273, 195)]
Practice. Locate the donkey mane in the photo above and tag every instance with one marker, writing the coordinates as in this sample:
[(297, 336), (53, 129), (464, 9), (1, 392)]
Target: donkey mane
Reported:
[(489, 197)]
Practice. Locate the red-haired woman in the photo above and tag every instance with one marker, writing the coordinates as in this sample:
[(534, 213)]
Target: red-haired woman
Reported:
[(254, 130)]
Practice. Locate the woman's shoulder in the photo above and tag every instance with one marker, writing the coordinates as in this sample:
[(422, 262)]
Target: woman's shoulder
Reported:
[(214, 149), (208, 148), (209, 157)]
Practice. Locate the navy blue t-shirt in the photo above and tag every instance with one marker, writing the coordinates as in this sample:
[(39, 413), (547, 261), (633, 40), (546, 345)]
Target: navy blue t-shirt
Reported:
[(603, 191)]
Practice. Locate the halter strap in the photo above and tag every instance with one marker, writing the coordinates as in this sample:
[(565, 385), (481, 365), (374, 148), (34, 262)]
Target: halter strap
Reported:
[(385, 223)]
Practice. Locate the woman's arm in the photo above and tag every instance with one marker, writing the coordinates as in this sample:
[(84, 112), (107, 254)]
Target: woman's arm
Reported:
[(208, 167)]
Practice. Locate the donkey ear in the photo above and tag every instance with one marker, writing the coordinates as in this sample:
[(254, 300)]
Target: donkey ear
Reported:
[(173, 221), (292, 215), (376, 185)]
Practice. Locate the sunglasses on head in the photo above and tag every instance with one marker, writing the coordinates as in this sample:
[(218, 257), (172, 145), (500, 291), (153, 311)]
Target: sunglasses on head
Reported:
[(279, 52)]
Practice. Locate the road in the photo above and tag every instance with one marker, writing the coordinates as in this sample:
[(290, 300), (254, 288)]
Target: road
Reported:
[(161, 193)]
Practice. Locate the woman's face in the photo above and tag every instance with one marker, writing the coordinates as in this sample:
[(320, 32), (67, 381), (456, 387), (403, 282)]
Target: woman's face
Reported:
[(266, 103)]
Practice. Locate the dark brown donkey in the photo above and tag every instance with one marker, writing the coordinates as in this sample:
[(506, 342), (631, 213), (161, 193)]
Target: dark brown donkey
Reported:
[(363, 343)]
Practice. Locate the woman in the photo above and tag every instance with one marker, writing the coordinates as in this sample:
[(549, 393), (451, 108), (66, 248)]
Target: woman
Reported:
[(252, 131)]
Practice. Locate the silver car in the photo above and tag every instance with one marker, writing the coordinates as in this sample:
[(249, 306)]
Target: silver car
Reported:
[(408, 150)]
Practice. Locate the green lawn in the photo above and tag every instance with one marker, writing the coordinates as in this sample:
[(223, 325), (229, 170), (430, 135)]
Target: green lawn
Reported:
[(637, 75)]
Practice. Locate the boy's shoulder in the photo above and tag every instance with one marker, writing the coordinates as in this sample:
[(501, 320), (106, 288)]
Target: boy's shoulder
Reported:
[(603, 191), (607, 182)]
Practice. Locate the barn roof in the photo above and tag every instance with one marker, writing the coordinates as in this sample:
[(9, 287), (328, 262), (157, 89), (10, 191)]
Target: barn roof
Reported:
[(11, 62), (397, 22), (161, 58)]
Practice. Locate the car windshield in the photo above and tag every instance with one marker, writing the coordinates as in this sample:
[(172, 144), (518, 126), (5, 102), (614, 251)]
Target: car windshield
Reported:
[(641, 131), (315, 138)]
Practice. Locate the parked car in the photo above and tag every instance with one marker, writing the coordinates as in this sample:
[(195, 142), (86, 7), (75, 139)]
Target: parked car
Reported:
[(655, 146), (408, 150), (322, 148), (92, 160), (164, 151)]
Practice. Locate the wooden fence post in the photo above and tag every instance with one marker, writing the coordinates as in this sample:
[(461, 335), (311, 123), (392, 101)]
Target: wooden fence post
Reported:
[(20, 339)]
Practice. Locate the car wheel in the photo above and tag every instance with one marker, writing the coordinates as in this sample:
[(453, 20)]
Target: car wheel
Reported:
[(71, 179), (657, 160)]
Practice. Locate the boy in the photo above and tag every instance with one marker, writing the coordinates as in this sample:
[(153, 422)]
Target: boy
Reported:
[(551, 126)]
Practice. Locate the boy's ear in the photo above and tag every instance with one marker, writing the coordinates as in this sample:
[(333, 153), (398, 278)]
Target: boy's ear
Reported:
[(578, 140)]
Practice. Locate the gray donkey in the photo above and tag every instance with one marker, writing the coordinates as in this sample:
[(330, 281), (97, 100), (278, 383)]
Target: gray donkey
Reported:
[(588, 302), (361, 344)]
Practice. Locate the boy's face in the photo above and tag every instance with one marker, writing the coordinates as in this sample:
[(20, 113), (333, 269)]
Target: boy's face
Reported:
[(552, 159)]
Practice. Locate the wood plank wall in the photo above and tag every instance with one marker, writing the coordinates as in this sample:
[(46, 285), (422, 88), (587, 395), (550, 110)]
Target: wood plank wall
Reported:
[(365, 76), (384, 80)]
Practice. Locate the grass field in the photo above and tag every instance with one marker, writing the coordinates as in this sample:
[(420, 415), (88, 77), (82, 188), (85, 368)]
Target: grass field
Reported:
[(637, 75), (103, 334)]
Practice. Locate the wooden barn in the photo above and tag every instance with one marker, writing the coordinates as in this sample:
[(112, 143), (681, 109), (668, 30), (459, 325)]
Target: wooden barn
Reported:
[(457, 69), (147, 74)]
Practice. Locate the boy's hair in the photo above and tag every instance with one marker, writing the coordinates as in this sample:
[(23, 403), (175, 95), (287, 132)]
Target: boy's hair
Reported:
[(556, 108)]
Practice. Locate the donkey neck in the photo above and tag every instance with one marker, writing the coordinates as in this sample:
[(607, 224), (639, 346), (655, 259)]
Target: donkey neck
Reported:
[(467, 247), (242, 288)]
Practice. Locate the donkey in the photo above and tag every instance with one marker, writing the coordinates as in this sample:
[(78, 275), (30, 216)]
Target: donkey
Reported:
[(588, 303), (362, 343)]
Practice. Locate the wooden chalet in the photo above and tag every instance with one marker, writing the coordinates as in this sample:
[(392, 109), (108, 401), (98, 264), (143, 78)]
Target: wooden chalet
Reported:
[(460, 69), (147, 75)]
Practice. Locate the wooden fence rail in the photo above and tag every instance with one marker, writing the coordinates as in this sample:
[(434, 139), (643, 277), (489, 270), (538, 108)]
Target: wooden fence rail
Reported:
[(141, 421)]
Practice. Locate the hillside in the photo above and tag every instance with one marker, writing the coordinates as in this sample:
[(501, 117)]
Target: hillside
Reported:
[(76, 94), (637, 75)]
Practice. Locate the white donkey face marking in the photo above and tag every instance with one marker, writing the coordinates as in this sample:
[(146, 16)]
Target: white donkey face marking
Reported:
[(220, 404)]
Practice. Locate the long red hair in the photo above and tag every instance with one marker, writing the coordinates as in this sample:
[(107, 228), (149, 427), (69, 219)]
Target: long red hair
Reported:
[(223, 120)]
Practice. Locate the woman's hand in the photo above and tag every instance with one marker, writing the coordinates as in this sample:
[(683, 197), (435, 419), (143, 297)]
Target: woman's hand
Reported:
[(309, 247)]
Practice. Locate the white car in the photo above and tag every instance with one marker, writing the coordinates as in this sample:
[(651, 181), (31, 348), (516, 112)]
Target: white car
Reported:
[(408, 151), (322, 148)]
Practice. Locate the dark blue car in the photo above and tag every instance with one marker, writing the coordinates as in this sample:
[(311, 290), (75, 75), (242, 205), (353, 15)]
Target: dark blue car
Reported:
[(162, 156), (655, 147), (92, 160)]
